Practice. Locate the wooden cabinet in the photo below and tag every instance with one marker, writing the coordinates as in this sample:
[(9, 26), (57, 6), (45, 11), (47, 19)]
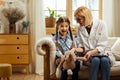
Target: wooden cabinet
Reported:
[(15, 49)]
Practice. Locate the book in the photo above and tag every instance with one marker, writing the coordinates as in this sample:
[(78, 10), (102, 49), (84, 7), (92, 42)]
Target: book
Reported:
[(99, 55)]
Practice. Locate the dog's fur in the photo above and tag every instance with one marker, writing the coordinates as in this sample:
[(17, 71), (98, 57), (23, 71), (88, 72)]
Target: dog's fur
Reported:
[(70, 59), (68, 64)]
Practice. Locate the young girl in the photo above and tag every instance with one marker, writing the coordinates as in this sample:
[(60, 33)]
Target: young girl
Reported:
[(64, 42)]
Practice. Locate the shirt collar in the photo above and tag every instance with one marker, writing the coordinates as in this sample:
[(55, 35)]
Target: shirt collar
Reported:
[(67, 37)]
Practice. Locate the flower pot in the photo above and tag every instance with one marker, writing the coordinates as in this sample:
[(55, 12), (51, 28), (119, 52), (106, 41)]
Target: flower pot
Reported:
[(50, 22)]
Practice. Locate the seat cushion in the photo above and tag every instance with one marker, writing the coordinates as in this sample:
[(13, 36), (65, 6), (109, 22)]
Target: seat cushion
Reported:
[(116, 49), (115, 69), (111, 41)]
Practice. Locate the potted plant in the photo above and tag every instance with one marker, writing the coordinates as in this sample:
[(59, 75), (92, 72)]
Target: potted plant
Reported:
[(25, 25), (13, 15), (51, 19)]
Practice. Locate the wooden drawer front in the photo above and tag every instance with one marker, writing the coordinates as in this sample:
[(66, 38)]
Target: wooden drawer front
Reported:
[(14, 59), (13, 39), (13, 49)]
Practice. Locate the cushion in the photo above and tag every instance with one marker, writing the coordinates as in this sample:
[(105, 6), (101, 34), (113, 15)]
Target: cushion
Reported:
[(115, 70), (5, 70), (116, 49), (111, 41)]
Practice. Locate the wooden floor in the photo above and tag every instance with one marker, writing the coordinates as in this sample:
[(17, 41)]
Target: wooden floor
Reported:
[(20, 76)]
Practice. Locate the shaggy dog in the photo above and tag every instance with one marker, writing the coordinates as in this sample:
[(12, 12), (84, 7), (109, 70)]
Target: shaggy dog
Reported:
[(69, 63)]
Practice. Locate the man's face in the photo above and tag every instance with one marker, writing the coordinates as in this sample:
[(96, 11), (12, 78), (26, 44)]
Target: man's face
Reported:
[(63, 28), (81, 20)]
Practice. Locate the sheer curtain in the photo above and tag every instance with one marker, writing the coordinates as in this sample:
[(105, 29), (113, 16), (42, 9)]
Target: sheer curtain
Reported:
[(108, 15), (36, 16), (116, 27), (111, 16), (39, 32)]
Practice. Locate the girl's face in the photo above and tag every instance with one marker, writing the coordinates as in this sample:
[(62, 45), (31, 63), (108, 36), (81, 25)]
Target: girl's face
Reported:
[(81, 20), (63, 28)]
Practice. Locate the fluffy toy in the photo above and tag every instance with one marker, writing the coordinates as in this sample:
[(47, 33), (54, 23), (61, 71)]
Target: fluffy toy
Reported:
[(69, 63)]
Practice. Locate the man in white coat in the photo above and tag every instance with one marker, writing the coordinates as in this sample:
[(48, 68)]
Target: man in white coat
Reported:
[(92, 35)]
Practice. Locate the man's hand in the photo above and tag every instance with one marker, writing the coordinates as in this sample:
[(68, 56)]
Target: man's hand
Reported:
[(88, 55), (81, 58)]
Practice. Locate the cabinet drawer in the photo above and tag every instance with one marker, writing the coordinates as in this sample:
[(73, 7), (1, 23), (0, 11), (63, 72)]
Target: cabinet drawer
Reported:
[(13, 49), (14, 59), (13, 39)]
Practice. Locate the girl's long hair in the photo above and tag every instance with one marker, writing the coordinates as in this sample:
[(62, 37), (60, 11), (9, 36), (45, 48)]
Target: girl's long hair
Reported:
[(58, 22)]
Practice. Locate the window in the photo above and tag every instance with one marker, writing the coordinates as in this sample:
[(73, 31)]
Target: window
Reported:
[(58, 5), (67, 7)]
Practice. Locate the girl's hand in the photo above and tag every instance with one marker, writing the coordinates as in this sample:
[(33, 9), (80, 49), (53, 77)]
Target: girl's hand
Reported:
[(73, 50), (80, 50), (61, 61), (62, 58)]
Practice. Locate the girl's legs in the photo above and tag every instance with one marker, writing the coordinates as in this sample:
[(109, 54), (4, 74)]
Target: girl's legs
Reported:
[(76, 70), (94, 68), (105, 68), (64, 75)]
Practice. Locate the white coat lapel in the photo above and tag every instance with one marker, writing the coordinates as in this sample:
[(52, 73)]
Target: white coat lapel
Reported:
[(84, 32), (93, 29)]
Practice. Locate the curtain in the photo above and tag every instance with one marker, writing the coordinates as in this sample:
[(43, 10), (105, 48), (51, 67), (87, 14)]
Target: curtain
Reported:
[(111, 16), (40, 32), (36, 16), (108, 15), (116, 27)]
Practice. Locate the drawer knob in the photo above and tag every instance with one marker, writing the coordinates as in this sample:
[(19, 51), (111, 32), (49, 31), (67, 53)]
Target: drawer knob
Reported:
[(17, 37), (18, 47), (18, 57)]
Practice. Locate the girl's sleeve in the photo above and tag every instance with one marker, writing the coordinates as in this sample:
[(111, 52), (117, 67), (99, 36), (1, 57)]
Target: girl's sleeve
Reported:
[(58, 52)]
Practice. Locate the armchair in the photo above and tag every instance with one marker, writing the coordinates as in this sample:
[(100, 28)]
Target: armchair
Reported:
[(46, 47)]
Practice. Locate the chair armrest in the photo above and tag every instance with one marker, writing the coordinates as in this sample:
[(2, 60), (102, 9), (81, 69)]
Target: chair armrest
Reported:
[(45, 41), (46, 47)]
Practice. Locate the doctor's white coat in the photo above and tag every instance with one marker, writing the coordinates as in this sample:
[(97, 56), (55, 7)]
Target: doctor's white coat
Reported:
[(96, 39)]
